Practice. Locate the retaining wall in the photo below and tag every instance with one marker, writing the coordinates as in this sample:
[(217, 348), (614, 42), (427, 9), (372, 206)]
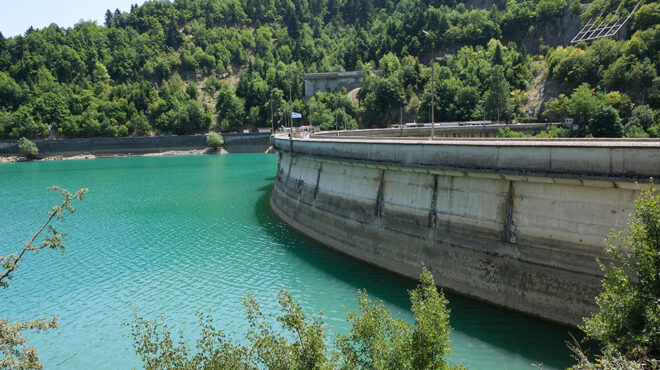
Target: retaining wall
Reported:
[(234, 143), (517, 223)]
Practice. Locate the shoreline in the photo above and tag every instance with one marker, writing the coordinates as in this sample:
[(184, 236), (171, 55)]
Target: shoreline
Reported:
[(14, 159)]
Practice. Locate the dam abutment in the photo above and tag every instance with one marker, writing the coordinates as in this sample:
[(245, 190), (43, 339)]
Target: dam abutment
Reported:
[(518, 223)]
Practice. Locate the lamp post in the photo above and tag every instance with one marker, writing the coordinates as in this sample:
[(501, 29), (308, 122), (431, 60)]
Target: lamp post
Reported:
[(272, 122), (343, 116), (428, 34)]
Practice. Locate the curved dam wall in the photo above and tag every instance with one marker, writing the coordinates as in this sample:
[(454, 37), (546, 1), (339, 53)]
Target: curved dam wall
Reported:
[(518, 223)]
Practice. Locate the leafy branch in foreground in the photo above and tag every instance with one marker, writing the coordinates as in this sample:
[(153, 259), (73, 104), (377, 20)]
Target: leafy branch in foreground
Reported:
[(375, 341), (53, 241), (14, 354), (628, 324)]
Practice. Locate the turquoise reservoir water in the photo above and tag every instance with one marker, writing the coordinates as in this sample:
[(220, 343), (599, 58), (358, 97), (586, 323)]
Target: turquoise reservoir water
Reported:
[(174, 234)]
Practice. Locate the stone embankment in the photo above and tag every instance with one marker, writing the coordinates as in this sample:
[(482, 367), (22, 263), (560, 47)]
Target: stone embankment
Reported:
[(518, 223)]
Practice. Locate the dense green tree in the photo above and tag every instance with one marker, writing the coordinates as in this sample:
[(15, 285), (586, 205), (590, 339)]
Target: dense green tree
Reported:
[(141, 125), (497, 99), (548, 9), (605, 122), (230, 108), (277, 107), (642, 116), (647, 16), (583, 104), (12, 95), (320, 115)]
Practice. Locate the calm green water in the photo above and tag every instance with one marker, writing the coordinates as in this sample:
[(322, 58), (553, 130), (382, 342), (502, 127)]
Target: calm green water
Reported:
[(175, 234)]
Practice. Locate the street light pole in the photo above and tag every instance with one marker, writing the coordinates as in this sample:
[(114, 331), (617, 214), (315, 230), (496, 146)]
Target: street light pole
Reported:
[(272, 122), (290, 109), (428, 34), (290, 117), (343, 116)]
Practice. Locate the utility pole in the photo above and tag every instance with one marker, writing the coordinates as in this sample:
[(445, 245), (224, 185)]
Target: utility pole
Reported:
[(290, 108), (290, 119), (272, 122), (428, 34), (343, 116)]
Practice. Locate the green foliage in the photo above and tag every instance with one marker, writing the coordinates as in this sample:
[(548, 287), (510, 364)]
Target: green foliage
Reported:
[(634, 131), (554, 132), (214, 140), (379, 341), (548, 9), (497, 98), (647, 16), (230, 109), (509, 133), (605, 122), (14, 354), (628, 323), (27, 148), (141, 125), (67, 77), (583, 104), (376, 340), (331, 111), (630, 67), (589, 108)]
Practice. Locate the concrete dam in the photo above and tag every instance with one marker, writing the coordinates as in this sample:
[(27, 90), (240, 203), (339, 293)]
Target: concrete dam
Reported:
[(515, 222)]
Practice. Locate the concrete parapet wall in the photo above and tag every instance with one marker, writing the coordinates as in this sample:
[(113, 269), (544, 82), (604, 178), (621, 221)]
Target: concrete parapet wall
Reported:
[(510, 223), (236, 143), (629, 160), (440, 131)]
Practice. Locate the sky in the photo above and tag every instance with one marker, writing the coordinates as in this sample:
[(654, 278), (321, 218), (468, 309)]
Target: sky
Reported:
[(16, 16)]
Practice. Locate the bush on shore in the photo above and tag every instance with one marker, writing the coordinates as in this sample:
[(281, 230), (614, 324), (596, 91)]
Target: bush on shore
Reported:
[(27, 148), (214, 140)]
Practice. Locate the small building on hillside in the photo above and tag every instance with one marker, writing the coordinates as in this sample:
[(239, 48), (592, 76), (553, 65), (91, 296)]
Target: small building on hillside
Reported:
[(331, 81)]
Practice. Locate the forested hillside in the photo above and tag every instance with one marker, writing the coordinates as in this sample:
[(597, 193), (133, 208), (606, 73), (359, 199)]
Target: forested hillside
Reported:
[(192, 65)]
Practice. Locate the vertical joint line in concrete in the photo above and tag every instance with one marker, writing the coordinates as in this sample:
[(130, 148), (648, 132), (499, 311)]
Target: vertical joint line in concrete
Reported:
[(509, 225), (288, 174), (433, 214), (380, 209), (318, 180)]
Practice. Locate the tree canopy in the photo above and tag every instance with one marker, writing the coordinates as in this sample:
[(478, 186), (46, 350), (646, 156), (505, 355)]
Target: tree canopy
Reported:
[(172, 67)]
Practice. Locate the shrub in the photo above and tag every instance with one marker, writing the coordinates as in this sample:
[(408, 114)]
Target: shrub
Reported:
[(509, 133), (27, 148), (214, 140), (628, 324), (376, 340)]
